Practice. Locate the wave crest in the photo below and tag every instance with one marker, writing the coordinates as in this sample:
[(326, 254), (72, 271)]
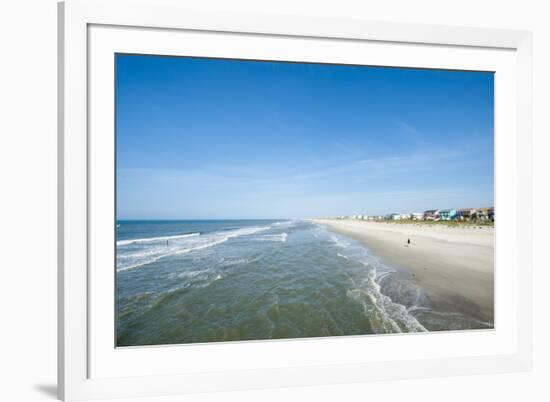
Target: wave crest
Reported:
[(139, 252)]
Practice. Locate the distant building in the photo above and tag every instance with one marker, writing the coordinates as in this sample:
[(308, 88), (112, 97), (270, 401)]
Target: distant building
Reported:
[(466, 214), (417, 216), (405, 216), (431, 214), (486, 213), (447, 214)]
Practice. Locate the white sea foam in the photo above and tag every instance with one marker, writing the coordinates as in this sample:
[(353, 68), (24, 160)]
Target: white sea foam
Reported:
[(381, 275), (153, 250), (284, 224), (384, 314), (155, 239), (276, 237), (228, 262), (339, 242), (342, 256)]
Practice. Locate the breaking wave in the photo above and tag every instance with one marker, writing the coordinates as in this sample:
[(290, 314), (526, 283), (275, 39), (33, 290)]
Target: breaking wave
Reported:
[(139, 252)]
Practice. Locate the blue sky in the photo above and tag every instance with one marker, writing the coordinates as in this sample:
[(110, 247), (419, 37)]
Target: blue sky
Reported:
[(211, 139)]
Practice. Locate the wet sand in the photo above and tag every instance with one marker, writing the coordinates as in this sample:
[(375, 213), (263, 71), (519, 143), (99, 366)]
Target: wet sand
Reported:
[(453, 264)]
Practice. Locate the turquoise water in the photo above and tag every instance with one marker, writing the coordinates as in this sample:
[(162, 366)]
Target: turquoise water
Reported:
[(208, 281)]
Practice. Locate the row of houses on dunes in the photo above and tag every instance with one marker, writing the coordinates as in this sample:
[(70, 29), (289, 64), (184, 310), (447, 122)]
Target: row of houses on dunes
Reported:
[(461, 214)]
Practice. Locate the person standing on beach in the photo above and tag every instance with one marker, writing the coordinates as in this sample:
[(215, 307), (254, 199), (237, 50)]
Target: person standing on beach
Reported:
[(408, 242)]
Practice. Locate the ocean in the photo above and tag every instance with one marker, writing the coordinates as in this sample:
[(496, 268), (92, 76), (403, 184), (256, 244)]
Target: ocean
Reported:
[(233, 280)]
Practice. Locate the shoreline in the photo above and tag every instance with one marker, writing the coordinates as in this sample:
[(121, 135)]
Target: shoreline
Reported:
[(454, 265)]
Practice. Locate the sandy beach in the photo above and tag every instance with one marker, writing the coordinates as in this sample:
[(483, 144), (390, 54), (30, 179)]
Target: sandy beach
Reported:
[(454, 265)]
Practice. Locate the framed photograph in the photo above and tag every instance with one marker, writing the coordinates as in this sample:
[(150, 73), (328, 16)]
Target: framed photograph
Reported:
[(252, 201)]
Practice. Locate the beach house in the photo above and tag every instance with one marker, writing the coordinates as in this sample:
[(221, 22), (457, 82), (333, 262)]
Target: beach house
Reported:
[(447, 214), (486, 213), (417, 216), (481, 214), (466, 214), (431, 214)]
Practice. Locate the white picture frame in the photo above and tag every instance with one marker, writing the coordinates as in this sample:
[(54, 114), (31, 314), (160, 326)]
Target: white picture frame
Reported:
[(89, 367)]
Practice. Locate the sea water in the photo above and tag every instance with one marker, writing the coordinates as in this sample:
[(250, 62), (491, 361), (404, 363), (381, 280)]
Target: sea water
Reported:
[(227, 280)]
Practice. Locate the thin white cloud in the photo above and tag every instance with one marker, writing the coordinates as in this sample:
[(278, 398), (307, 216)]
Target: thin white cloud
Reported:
[(409, 128), (384, 165)]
